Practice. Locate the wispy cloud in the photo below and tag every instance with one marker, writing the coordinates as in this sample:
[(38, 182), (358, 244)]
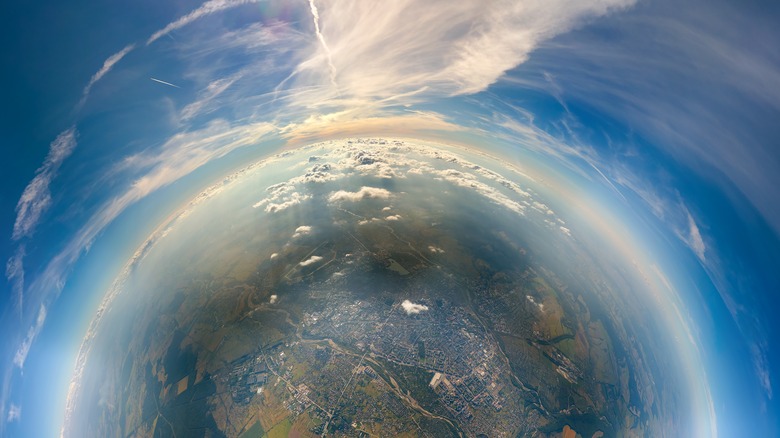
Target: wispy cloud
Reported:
[(179, 156), (694, 240), (24, 349), (14, 272), (688, 81), (207, 96), (328, 55), (107, 66), (205, 9), (14, 413), (36, 198), (403, 51)]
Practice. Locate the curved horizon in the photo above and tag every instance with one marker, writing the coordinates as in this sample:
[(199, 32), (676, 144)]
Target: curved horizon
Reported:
[(649, 126)]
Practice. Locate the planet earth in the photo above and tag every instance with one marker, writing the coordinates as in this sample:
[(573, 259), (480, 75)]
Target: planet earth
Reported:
[(374, 287)]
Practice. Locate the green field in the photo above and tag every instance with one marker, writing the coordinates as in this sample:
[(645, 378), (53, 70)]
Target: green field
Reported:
[(281, 430), (256, 431)]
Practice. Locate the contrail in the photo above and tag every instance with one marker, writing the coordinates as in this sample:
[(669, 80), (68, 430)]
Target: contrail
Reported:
[(166, 83), (316, 16)]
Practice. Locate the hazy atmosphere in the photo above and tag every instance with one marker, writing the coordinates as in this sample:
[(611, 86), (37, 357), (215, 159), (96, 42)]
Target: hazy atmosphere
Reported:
[(416, 218)]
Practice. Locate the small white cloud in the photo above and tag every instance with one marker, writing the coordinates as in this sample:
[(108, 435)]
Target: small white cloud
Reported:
[(274, 255), (539, 306), (14, 413), (310, 261), (303, 230), (386, 209), (435, 249), (395, 217), (566, 231), (363, 193), (413, 308), (273, 299)]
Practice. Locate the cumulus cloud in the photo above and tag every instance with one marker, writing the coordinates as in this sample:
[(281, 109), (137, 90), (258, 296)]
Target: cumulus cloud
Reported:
[(274, 255), (395, 217), (531, 300), (303, 230), (273, 299), (435, 249), (283, 202), (565, 231), (413, 308), (310, 261), (363, 193), (36, 198)]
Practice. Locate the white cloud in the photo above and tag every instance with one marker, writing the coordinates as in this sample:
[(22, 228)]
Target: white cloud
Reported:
[(565, 231), (761, 365), (179, 156), (310, 261), (284, 202), (212, 91), (14, 272), (205, 9), (435, 249), (363, 193), (395, 217), (274, 255), (36, 198), (316, 20), (470, 181), (694, 240), (531, 300), (24, 348), (413, 308), (14, 413), (464, 46), (273, 299), (303, 230), (107, 66)]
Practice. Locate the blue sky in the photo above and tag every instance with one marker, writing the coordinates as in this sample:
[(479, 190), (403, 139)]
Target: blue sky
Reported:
[(665, 114)]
